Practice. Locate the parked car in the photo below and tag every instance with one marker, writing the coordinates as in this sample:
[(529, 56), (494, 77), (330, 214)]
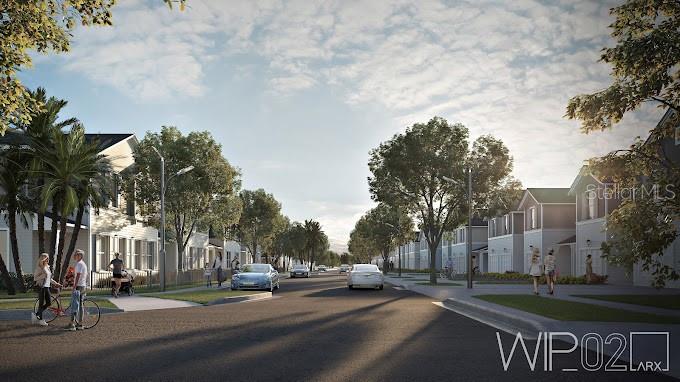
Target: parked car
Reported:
[(299, 270), (256, 276), (344, 268), (321, 268), (365, 276)]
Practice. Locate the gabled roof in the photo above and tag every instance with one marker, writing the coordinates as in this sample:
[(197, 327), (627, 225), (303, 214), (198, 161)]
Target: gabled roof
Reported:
[(548, 195), (583, 173), (107, 140)]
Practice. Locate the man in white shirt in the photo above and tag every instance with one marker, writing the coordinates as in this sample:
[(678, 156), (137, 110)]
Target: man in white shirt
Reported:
[(79, 284)]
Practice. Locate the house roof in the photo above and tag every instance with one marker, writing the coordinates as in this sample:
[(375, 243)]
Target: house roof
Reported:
[(569, 240), (551, 195), (14, 138), (107, 140)]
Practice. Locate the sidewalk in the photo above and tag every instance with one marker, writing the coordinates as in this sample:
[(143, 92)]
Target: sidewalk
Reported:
[(136, 303), (460, 300)]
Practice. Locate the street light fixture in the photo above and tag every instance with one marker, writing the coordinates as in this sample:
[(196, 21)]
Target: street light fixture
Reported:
[(468, 237), (163, 189)]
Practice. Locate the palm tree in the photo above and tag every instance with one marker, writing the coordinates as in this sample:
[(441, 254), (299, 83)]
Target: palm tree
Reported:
[(316, 239), (13, 177), (73, 171)]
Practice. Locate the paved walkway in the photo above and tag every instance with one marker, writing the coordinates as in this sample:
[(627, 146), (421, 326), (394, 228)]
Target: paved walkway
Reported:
[(136, 302)]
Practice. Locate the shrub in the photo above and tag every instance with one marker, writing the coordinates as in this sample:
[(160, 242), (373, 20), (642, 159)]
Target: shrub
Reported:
[(28, 280)]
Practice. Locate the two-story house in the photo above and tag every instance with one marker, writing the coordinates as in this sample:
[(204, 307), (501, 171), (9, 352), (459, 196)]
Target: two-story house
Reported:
[(549, 223), (506, 243), (455, 247)]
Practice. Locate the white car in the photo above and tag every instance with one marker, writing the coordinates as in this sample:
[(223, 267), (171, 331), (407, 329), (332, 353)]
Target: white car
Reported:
[(365, 276)]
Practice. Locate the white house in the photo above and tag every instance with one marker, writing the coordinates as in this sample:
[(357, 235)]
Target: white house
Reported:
[(454, 248), (506, 243)]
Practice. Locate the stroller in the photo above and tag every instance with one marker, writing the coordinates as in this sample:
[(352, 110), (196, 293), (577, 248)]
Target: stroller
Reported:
[(126, 284)]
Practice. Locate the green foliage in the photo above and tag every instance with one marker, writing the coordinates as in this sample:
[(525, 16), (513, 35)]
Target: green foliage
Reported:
[(411, 171), (384, 228), (41, 26), (316, 241), (194, 200), (258, 221), (644, 64)]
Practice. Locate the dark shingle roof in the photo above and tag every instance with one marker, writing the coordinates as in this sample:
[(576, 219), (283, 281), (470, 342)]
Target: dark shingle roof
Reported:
[(552, 195), (106, 140)]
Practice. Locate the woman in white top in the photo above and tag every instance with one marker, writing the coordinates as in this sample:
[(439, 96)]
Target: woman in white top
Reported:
[(550, 271), (535, 268), (42, 277)]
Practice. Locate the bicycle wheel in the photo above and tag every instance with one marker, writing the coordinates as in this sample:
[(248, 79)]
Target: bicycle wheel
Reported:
[(91, 314), (51, 312)]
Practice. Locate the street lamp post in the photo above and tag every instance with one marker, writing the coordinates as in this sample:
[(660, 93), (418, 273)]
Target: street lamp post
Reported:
[(162, 227), (468, 237)]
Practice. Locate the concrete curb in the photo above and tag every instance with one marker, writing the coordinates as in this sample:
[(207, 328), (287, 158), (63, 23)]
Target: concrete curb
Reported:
[(234, 299), (496, 317)]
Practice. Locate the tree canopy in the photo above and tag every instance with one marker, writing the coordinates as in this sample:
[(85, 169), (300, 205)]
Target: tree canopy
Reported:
[(411, 171), (258, 220)]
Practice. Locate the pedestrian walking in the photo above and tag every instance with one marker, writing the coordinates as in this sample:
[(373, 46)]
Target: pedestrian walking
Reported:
[(79, 285), (207, 272), (217, 266), (42, 277), (589, 269), (535, 268), (550, 271)]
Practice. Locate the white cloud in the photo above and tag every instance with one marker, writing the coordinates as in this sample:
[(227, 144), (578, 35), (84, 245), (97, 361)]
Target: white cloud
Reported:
[(501, 68)]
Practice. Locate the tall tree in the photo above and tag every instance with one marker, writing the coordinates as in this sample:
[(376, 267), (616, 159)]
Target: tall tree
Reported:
[(411, 170), (194, 200), (14, 200), (41, 129), (75, 173), (316, 240), (386, 227), (258, 219), (644, 61), (41, 26), (360, 246)]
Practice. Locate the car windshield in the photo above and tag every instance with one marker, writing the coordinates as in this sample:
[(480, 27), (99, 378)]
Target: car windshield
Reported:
[(255, 268), (366, 268), (300, 266)]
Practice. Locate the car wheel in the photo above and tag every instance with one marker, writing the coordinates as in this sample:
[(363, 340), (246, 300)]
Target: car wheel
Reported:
[(381, 287), (350, 287)]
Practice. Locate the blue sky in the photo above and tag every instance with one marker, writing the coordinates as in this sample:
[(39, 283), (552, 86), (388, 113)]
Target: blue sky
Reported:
[(298, 92)]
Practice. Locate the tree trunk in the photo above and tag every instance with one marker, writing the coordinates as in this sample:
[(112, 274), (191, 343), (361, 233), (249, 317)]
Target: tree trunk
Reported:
[(53, 233), (74, 239), (386, 262), (6, 277), (41, 232), (60, 249), (12, 218), (433, 259), (41, 223)]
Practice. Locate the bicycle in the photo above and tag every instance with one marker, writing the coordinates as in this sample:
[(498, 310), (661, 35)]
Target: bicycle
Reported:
[(91, 311)]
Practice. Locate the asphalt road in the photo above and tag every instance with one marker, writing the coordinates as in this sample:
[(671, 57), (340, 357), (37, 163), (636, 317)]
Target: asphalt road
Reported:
[(314, 329)]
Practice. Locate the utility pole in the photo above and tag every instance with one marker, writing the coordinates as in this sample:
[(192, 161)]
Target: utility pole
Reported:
[(162, 251), (469, 233)]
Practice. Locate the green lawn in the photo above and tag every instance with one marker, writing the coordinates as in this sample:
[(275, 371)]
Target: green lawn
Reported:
[(573, 311), (29, 304), (201, 296), (439, 284), (657, 301)]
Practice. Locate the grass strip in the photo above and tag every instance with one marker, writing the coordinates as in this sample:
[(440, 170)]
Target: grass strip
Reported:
[(564, 310), (201, 296), (657, 301)]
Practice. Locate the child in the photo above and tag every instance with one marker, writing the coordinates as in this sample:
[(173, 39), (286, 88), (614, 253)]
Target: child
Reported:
[(207, 273)]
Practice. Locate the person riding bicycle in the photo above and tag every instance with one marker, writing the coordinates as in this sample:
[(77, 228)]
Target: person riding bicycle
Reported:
[(117, 266)]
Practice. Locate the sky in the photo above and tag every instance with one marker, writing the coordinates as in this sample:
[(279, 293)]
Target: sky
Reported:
[(298, 92)]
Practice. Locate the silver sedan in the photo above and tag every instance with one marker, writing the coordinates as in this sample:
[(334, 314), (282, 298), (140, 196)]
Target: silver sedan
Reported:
[(365, 276)]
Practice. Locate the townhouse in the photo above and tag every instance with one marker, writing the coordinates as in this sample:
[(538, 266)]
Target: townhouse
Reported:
[(116, 228), (506, 243), (549, 223), (454, 247)]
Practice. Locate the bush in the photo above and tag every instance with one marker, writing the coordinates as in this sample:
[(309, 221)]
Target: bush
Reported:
[(28, 280)]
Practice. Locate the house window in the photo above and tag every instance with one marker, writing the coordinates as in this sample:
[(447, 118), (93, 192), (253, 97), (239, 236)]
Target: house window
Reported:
[(493, 227), (151, 254), (592, 205), (677, 136), (506, 224), (532, 218), (115, 201), (103, 251)]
